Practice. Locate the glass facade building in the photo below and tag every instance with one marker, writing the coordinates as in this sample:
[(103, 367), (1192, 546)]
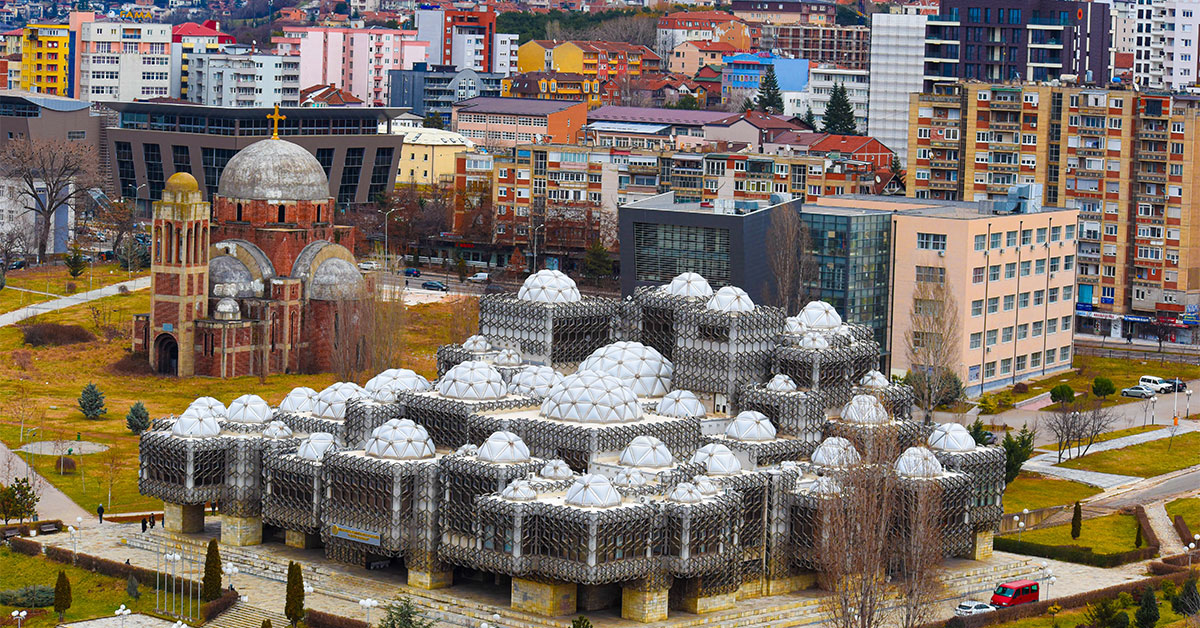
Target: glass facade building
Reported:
[(851, 249)]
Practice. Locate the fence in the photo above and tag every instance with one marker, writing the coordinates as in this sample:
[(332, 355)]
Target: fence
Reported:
[(1142, 356)]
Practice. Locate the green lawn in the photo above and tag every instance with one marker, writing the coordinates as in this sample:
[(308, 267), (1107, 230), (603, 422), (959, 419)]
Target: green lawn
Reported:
[(1166, 617), (1189, 508), (1144, 460), (1141, 429), (92, 595), (54, 279), (1123, 373), (1034, 491), (1110, 534)]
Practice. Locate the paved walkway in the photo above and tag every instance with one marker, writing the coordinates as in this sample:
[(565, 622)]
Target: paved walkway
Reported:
[(1046, 464), (54, 504), (1168, 539), (29, 311)]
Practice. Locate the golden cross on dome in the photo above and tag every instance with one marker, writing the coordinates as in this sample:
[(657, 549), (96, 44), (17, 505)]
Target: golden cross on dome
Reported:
[(275, 117)]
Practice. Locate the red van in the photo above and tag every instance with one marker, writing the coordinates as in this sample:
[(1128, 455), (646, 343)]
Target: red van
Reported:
[(1014, 593)]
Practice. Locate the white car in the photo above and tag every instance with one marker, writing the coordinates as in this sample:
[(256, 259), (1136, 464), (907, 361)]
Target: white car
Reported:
[(972, 607), (369, 265), (1157, 384), (478, 278)]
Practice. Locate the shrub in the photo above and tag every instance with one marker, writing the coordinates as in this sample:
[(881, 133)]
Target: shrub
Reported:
[(1147, 612), (62, 594), (1103, 387), (138, 419), (35, 596), (1188, 600), (1103, 614), (1020, 388), (956, 622), (404, 614), (1073, 553), (55, 334), (211, 588), (1124, 600), (210, 610), (64, 465), (1120, 620), (71, 288), (293, 604), (317, 619), (122, 289), (1169, 590), (25, 546), (1077, 521), (1062, 394), (131, 587)]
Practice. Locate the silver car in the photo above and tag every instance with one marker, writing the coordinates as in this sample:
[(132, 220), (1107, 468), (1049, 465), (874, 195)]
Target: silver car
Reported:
[(1145, 392), (972, 607)]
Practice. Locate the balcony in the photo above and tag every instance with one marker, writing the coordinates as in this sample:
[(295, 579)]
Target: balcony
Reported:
[(1004, 126), (943, 144), (948, 99), (935, 184), (943, 163), (1152, 155), (1091, 130), (1094, 111), (998, 189), (943, 122), (1089, 174), (1090, 152), (997, 145), (1151, 177), (1143, 197), (1001, 105), (1003, 167), (1145, 134)]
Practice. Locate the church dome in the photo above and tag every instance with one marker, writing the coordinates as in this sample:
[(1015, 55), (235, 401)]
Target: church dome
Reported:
[(181, 183), (228, 310), (274, 170)]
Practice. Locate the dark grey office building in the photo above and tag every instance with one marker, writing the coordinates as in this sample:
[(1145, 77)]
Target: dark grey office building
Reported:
[(661, 238), (428, 88), (151, 141)]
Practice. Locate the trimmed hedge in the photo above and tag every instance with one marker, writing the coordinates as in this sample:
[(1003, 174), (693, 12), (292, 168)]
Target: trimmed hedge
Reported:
[(1147, 530), (146, 577), (210, 610), (317, 619), (25, 546), (1073, 553), (1182, 529)]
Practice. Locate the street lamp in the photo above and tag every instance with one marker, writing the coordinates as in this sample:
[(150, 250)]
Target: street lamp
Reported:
[(231, 571), (1190, 547), (1020, 529), (533, 234), (74, 543), (1188, 392), (122, 613), (386, 267), (1153, 419), (307, 588), (367, 605), (20, 617)]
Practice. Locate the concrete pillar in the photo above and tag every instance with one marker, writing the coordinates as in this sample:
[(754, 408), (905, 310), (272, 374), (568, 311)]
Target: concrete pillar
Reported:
[(241, 531), (760, 587), (981, 546), (645, 606), (183, 518), (430, 580), (698, 604), (549, 599), (301, 540)]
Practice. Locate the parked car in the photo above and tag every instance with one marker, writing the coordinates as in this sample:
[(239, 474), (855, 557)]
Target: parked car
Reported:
[(1139, 390), (478, 278), (989, 438), (435, 285), (17, 265), (972, 607), (1014, 593), (369, 265), (1177, 385), (1157, 384), (412, 272)]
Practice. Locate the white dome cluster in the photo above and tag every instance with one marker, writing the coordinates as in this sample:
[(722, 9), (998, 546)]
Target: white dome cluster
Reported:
[(781, 383), (249, 409), (793, 325), (399, 439), (205, 407), (874, 380), (534, 381), (918, 462), (820, 315), (386, 386), (951, 437), (705, 485), (731, 299), (717, 459), (641, 367), (549, 286), (504, 448), (477, 344), (195, 427), (689, 285), (277, 430), (472, 380), (518, 491), (590, 397), (331, 402), (592, 491), (835, 452), (300, 399), (646, 451), (556, 470), (865, 410), (750, 426), (681, 404), (315, 446)]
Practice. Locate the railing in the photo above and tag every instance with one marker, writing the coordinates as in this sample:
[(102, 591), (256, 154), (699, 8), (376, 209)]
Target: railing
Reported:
[(1130, 354)]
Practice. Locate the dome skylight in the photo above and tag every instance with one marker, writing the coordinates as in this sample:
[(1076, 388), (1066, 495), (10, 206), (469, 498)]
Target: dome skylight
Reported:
[(951, 437), (549, 286), (731, 299), (681, 404), (750, 426), (472, 380), (592, 491), (642, 368), (590, 397), (647, 451)]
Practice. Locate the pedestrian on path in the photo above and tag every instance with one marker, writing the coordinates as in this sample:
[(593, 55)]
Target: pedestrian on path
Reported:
[(152, 516), (143, 525), (100, 512)]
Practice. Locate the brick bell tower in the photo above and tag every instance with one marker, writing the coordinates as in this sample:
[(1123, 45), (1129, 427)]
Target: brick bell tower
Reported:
[(179, 275)]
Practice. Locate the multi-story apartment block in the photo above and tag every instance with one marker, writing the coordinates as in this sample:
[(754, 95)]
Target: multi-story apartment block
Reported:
[(197, 38), (243, 79), (786, 12), (1015, 40), (846, 46), (706, 26), (687, 58), (556, 86), (467, 40), (1166, 46), (47, 59), (821, 81), (433, 89), (898, 46), (500, 122), (741, 73), (1124, 159), (601, 59), (1008, 274), (357, 60), (127, 61)]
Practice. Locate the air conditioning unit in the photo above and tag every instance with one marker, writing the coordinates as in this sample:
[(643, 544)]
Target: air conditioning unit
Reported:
[(941, 254)]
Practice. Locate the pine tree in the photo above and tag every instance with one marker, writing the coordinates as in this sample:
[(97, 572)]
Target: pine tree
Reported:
[(62, 594), (1137, 541), (210, 586), (597, 262), (404, 614), (433, 121), (1077, 521), (810, 118), (1188, 600), (138, 418), (293, 605), (581, 622), (131, 587), (266, 623), (839, 113), (74, 261), (25, 499), (91, 402), (747, 105), (769, 99), (1147, 612)]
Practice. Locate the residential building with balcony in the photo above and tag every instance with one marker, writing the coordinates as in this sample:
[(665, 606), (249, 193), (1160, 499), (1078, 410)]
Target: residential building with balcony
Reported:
[(506, 122), (197, 38), (48, 59), (822, 79), (467, 40), (358, 60), (128, 61), (786, 12), (706, 26), (845, 46), (689, 56), (1165, 45), (433, 89), (601, 59), (243, 79), (556, 86)]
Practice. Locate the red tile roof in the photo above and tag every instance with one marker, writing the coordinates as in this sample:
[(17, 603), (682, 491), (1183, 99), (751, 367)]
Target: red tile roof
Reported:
[(192, 29), (714, 16), (758, 119), (715, 46), (840, 143), (328, 95)]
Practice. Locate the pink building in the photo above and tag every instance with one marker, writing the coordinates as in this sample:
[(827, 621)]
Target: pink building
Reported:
[(354, 59)]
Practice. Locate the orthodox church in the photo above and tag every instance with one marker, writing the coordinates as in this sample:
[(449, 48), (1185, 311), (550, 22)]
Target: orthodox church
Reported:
[(255, 281)]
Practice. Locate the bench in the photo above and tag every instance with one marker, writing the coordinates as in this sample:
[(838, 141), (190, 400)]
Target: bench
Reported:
[(50, 527), (8, 533)]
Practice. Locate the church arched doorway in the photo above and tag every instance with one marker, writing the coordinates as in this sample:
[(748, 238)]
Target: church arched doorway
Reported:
[(167, 352)]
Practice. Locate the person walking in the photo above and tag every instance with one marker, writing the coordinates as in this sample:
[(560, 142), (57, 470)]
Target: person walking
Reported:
[(100, 512), (143, 525), (152, 517)]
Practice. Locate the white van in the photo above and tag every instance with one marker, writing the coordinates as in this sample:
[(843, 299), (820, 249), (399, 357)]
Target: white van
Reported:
[(1156, 384)]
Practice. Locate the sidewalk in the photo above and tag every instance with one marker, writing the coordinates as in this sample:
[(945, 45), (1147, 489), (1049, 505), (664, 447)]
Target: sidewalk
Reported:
[(1046, 464), (54, 504), (29, 311)]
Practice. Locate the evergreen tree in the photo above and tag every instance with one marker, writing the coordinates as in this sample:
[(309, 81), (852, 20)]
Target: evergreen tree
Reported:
[(293, 605), (74, 261), (8, 504), (91, 402), (810, 118), (1077, 521), (839, 113), (1187, 603), (1103, 387), (597, 262), (581, 622), (1147, 612), (769, 99), (131, 587), (978, 431), (1137, 541), (210, 586), (460, 266), (747, 105), (404, 614), (1017, 450), (25, 499), (62, 594), (433, 121), (138, 418)]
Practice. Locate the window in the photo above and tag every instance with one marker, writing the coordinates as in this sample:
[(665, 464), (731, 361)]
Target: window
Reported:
[(1055, 234), (1025, 266), (977, 307), (1026, 236), (934, 274), (1023, 300), (1039, 297), (976, 339), (1068, 293), (1051, 326), (991, 337), (1010, 301), (1064, 354), (977, 275), (995, 240), (1052, 295), (931, 241), (993, 305), (994, 273), (1066, 323), (1022, 331), (1054, 263), (1050, 356), (1010, 270), (1006, 334), (1039, 267), (1069, 262), (1108, 292), (1020, 363), (1035, 359), (1005, 366), (989, 369), (980, 242), (1010, 238), (1041, 235), (1037, 328)]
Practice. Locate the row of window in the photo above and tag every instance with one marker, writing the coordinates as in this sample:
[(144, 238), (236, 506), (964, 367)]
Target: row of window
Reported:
[(1022, 300), (1020, 332), (1027, 267), (1000, 239), (1023, 362)]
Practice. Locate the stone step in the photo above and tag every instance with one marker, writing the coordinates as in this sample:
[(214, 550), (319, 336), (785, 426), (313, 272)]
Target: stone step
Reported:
[(247, 616)]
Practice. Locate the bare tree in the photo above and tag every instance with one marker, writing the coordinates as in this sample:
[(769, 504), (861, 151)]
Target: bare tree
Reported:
[(14, 245), (477, 214), (918, 578), (790, 256), (119, 218), (1094, 420), (931, 343), (1064, 425), (368, 335), (464, 317), (51, 174), (112, 465)]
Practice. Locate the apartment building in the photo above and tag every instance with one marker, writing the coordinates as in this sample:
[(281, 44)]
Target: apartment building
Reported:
[(1016, 40), (357, 60), (821, 81), (555, 86), (706, 26), (1123, 159), (741, 74), (1009, 274), (898, 45), (467, 40), (501, 122), (47, 60), (243, 79), (433, 89), (128, 61), (688, 57), (197, 38), (786, 12), (846, 46), (601, 59), (1165, 43)]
